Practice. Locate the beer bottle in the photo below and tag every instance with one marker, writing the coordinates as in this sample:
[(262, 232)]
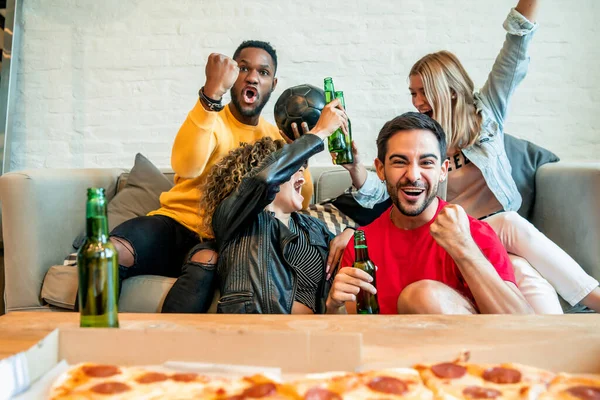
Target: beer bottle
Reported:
[(336, 141), (366, 303), (346, 156), (98, 267)]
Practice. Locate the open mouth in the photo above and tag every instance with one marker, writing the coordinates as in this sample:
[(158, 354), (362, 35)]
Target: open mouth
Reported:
[(298, 186), (250, 94), (412, 193), (429, 113)]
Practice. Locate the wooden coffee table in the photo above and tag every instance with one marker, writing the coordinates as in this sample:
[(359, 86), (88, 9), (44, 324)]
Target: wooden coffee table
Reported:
[(539, 340)]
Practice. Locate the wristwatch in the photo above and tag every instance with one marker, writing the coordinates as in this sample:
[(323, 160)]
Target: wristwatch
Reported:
[(213, 105)]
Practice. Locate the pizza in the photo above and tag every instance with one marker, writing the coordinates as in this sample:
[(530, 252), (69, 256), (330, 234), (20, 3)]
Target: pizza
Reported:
[(463, 380), (98, 381), (442, 381), (398, 383), (573, 387)]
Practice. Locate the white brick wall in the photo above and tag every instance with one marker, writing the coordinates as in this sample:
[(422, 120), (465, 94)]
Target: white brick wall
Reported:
[(100, 81)]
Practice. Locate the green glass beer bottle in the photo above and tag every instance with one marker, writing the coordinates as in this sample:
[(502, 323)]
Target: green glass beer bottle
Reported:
[(337, 141), (98, 267), (346, 156), (366, 303)]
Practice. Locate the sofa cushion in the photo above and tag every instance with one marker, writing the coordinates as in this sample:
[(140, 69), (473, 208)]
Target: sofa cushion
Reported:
[(525, 159), (60, 285), (140, 294), (144, 293), (137, 197)]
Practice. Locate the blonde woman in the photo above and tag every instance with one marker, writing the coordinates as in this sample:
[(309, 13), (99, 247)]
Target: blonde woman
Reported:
[(479, 177)]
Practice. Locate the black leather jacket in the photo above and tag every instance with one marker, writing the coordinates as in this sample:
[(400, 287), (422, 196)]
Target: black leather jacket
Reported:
[(253, 272)]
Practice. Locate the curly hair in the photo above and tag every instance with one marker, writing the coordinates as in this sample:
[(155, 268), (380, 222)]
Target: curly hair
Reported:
[(227, 174)]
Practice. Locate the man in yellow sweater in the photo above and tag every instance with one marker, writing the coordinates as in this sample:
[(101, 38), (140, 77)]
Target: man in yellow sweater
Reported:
[(169, 241)]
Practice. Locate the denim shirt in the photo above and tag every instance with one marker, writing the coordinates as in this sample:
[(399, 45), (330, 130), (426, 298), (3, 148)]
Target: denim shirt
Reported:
[(487, 153)]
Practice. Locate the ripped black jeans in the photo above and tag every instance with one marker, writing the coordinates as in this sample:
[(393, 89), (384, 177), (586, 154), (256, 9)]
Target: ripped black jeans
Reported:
[(162, 246)]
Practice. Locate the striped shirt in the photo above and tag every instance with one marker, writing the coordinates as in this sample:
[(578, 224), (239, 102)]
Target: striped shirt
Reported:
[(308, 265)]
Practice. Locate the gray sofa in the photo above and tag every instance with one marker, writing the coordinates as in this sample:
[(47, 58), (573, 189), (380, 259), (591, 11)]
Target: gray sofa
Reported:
[(44, 210)]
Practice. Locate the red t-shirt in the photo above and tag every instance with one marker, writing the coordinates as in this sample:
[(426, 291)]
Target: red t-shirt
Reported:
[(406, 256)]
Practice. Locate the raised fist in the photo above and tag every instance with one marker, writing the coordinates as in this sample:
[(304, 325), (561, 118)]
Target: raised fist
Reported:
[(451, 228), (221, 74)]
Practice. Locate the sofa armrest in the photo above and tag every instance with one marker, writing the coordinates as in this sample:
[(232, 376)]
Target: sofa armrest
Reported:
[(567, 210), (42, 212)]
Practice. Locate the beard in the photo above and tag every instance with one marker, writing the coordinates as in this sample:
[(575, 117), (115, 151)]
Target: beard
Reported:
[(415, 209), (255, 109)]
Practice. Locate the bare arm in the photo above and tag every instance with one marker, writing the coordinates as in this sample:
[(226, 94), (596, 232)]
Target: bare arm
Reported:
[(357, 170), (528, 9), (492, 294)]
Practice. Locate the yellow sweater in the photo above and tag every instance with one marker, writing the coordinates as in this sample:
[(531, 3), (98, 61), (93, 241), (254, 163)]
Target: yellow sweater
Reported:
[(203, 139)]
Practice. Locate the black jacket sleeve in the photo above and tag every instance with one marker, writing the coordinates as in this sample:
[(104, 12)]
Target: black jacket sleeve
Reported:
[(259, 187)]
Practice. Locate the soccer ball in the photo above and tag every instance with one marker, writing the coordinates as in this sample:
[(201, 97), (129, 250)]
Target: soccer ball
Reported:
[(302, 103)]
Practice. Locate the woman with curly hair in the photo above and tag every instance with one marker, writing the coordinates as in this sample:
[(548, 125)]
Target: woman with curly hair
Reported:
[(271, 259)]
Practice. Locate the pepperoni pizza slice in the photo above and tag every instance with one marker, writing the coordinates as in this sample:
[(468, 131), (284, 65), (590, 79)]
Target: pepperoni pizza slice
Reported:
[(97, 381), (573, 387), (255, 387), (399, 383), (460, 380)]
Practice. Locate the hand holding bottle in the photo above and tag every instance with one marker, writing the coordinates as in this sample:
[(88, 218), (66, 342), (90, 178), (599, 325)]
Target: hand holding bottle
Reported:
[(332, 117)]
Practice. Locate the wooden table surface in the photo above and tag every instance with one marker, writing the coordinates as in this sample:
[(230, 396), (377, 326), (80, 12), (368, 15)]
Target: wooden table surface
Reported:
[(554, 341)]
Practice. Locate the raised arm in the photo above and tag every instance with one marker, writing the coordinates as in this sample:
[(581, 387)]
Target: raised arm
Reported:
[(510, 67), (259, 188), (528, 9), (371, 192), (196, 140)]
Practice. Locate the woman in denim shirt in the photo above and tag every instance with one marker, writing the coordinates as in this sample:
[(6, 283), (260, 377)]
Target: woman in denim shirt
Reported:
[(479, 177)]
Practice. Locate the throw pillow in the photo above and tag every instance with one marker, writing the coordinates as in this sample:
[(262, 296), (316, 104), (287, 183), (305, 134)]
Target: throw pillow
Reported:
[(139, 196), (332, 217), (525, 158)]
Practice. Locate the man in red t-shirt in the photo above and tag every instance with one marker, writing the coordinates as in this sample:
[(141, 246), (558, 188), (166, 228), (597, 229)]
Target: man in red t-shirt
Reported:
[(431, 257)]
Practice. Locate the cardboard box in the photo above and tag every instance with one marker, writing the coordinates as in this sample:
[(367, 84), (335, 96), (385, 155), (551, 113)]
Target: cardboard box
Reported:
[(293, 352), (298, 346)]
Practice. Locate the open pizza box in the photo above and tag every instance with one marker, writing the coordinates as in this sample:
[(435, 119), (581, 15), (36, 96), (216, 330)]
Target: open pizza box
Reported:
[(221, 352), (290, 354)]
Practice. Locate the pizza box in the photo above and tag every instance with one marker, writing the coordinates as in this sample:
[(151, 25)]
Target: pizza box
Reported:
[(312, 345), (207, 351)]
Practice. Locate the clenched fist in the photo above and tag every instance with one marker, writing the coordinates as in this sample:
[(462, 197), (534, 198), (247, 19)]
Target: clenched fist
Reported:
[(451, 229), (221, 74)]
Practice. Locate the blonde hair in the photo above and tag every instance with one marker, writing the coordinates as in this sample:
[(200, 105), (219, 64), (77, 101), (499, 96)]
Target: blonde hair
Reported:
[(444, 76), (227, 174)]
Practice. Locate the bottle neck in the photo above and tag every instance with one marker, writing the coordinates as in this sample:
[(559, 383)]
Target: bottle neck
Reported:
[(362, 253), (96, 220), (329, 96), (329, 91)]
